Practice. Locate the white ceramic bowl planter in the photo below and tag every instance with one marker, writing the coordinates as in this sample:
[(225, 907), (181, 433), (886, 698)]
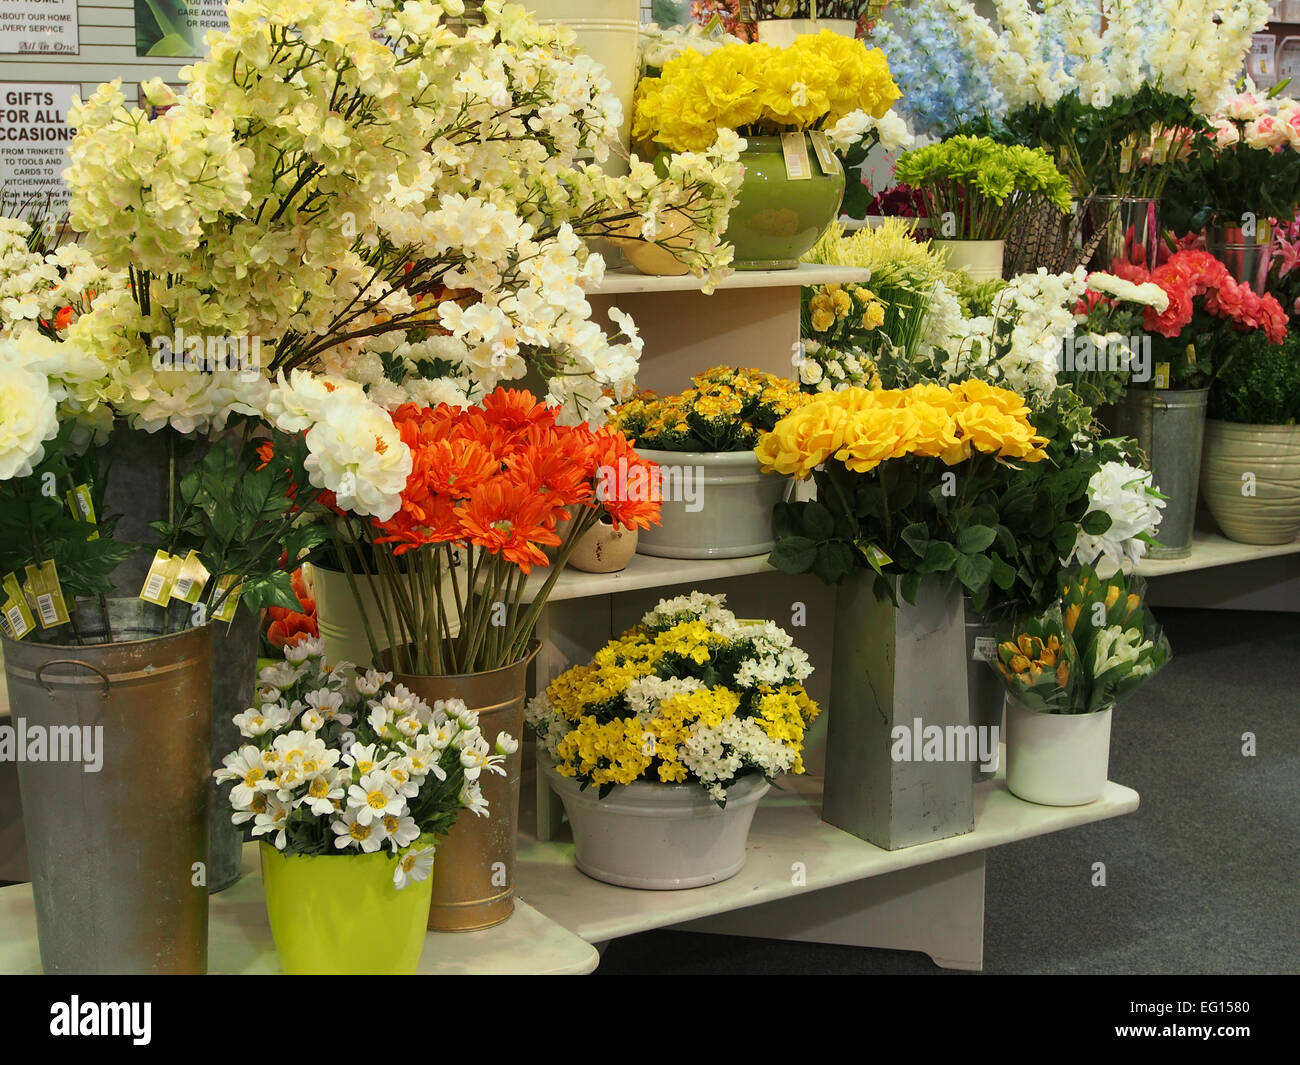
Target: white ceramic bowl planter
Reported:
[(658, 836), (1057, 759), (716, 504)]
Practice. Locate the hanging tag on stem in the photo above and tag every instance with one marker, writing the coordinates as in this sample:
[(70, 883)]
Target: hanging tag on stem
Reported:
[(795, 149)]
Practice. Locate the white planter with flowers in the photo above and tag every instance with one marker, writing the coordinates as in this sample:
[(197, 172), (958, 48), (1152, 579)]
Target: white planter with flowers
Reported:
[(658, 836), (351, 783), (1057, 759), (715, 505), (662, 747), (1065, 671), (716, 502)]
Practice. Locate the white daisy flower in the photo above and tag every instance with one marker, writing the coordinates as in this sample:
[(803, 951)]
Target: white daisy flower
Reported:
[(414, 865), (352, 833), (374, 796)]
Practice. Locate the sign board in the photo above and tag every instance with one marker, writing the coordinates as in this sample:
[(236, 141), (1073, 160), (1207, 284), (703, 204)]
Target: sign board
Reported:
[(34, 138), (38, 27), (174, 29)]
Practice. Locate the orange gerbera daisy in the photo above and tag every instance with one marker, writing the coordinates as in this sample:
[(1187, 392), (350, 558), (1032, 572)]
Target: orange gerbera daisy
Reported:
[(508, 518), (626, 480), (515, 410)]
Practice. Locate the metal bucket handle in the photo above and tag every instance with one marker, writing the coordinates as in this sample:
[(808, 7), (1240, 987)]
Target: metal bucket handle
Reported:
[(49, 689)]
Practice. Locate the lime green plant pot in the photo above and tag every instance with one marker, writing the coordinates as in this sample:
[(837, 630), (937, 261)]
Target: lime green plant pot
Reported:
[(341, 915), (775, 220)]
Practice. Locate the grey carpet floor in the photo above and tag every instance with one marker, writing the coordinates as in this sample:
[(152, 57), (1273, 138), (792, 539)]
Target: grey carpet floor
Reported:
[(1203, 878)]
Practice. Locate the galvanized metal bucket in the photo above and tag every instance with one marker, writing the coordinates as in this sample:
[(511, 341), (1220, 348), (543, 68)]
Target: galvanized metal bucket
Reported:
[(234, 676), (117, 849), (474, 868), (1247, 256), (1169, 426)]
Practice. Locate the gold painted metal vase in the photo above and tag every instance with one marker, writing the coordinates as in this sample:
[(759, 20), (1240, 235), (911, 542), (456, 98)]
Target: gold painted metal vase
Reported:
[(474, 869)]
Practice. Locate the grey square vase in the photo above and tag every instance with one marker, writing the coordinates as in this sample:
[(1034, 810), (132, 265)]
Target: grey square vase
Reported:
[(895, 666)]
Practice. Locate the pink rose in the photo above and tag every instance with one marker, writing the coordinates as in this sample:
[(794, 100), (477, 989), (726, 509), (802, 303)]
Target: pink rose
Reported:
[(1265, 132), (1226, 133), (1289, 118), (1244, 107)]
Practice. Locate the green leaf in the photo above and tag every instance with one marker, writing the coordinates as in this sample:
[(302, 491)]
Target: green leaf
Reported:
[(1096, 523), (939, 557), (834, 562), (857, 198), (785, 519), (1003, 575), (975, 538), (272, 589), (909, 586), (794, 554), (818, 521), (974, 571), (917, 537)]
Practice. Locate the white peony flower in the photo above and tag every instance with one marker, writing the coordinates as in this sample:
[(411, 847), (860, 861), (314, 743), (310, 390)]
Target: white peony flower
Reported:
[(1146, 294), (28, 414), (1126, 495)]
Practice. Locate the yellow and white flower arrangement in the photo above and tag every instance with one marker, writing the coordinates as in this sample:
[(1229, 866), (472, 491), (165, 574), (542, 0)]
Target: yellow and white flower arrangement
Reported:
[(725, 409), (342, 762), (823, 81), (365, 171), (692, 694)]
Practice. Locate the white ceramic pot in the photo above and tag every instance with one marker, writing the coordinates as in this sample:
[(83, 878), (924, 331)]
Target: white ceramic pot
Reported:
[(781, 32), (1250, 480), (607, 32), (1057, 759), (981, 259), (337, 617), (339, 620), (715, 505), (659, 837), (604, 549)]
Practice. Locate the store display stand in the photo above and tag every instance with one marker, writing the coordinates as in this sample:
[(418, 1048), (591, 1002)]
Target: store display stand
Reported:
[(806, 880), (240, 943)]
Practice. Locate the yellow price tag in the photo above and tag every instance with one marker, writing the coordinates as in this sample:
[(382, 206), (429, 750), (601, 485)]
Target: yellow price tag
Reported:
[(44, 587), (161, 578), (191, 579)]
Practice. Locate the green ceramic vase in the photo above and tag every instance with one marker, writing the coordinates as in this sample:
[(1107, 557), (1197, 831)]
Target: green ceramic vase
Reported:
[(340, 914), (776, 220)]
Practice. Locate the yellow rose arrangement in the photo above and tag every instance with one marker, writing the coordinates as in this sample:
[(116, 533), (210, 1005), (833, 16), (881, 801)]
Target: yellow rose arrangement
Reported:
[(907, 484), (692, 694), (815, 83), (863, 428), (725, 409)]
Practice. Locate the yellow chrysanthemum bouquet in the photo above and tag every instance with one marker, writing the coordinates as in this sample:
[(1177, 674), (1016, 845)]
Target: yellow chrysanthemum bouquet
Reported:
[(906, 482), (692, 694), (725, 409), (755, 89)]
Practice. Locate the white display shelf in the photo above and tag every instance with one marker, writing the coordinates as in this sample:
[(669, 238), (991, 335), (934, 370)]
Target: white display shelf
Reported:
[(627, 280), (646, 571), (787, 829), (1211, 549), (239, 938)]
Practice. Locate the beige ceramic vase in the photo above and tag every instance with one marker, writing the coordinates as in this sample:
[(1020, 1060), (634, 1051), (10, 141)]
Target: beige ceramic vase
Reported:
[(604, 548)]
